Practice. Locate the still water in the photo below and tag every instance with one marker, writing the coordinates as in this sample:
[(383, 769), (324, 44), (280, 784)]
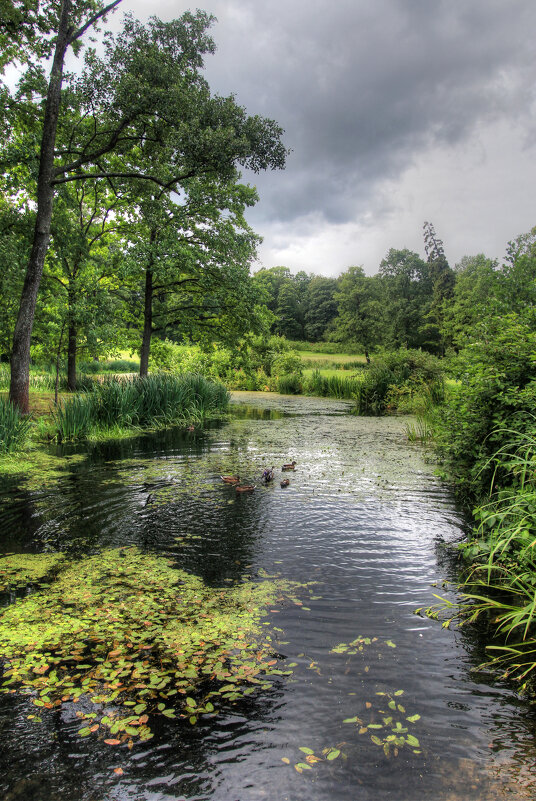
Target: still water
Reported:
[(365, 518)]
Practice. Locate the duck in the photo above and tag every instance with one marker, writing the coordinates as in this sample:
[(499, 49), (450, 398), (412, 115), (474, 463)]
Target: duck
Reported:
[(245, 487), (289, 466), (231, 479), (268, 475), (285, 482)]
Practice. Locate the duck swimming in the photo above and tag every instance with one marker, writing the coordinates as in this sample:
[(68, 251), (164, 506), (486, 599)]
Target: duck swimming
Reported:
[(285, 482), (268, 475), (245, 487), (289, 466), (231, 479)]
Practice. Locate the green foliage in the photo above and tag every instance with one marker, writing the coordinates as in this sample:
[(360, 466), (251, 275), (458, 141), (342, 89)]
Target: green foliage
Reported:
[(289, 384), (496, 395), (332, 386), (400, 375), (73, 418), (157, 400), (14, 427), (135, 637)]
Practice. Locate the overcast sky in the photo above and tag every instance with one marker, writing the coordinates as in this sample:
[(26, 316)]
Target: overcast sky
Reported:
[(396, 112)]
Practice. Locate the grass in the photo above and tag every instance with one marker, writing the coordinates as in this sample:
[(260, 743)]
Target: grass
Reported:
[(331, 361), (155, 401)]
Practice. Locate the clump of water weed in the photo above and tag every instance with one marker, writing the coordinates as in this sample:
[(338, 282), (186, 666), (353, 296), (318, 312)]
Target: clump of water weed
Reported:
[(21, 569), (135, 637)]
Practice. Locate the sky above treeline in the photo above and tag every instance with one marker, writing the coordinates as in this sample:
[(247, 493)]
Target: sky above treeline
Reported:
[(396, 112)]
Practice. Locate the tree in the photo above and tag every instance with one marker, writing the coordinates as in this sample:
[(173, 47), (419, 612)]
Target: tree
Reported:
[(269, 280), (360, 320), (289, 311), (443, 284), (194, 258), (321, 307), (72, 22), (140, 113), (407, 293), (475, 298), (82, 266)]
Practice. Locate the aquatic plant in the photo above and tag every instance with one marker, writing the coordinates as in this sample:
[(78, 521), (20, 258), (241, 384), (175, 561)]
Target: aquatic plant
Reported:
[(20, 570), (157, 400), (420, 430), (332, 386), (14, 427), (134, 636), (73, 417)]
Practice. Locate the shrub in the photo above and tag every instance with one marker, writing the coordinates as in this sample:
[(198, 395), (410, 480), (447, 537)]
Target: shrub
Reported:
[(395, 378), (493, 403)]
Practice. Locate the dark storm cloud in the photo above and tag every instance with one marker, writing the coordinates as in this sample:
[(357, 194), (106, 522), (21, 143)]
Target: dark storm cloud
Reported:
[(362, 87)]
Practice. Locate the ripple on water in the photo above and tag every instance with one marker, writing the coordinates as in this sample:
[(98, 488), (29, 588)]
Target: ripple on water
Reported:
[(364, 518)]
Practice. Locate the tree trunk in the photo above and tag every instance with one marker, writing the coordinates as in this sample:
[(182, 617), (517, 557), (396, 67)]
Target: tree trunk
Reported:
[(20, 361), (71, 358), (58, 356), (147, 323)]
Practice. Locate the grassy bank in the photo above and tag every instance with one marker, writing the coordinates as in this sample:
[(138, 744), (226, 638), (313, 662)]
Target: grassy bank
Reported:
[(486, 438)]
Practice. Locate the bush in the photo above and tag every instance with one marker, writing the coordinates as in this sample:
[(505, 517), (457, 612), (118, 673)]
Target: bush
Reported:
[(493, 404), (395, 378)]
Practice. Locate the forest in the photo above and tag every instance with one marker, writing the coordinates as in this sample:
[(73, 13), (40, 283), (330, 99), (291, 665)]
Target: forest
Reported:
[(131, 297)]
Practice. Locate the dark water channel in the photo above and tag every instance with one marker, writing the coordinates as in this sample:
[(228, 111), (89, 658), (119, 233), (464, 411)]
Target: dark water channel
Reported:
[(366, 519)]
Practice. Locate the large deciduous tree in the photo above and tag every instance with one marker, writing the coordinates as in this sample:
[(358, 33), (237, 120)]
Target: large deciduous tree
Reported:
[(73, 20), (140, 114)]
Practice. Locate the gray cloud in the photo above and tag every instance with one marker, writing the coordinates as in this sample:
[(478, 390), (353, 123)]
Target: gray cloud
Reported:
[(364, 88)]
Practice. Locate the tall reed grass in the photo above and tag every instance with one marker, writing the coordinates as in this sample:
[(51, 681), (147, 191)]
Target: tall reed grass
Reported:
[(157, 400), (500, 582), (14, 427), (332, 386)]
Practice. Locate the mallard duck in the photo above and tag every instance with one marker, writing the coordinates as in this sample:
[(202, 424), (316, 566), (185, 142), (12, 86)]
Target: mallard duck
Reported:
[(231, 479), (245, 487), (285, 482), (268, 475), (289, 466)]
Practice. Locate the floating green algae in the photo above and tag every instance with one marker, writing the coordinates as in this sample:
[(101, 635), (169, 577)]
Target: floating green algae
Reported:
[(20, 569), (127, 630)]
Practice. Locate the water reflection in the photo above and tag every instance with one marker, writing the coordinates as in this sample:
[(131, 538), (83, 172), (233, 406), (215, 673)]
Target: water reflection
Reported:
[(364, 517)]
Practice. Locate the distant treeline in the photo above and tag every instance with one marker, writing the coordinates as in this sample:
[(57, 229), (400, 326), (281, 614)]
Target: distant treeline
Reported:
[(411, 302)]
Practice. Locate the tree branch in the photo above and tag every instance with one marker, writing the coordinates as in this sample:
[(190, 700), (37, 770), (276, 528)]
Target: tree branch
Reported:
[(91, 21)]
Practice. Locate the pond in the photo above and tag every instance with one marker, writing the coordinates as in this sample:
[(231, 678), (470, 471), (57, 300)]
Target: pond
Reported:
[(366, 520)]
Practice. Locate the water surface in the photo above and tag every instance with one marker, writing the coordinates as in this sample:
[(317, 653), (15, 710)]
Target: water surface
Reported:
[(367, 520)]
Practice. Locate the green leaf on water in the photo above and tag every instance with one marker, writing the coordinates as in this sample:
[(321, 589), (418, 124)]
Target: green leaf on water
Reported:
[(333, 754), (414, 718), (306, 750)]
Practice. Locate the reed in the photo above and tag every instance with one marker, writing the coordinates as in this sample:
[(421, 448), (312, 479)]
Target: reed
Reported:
[(74, 417), (14, 427), (157, 400)]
